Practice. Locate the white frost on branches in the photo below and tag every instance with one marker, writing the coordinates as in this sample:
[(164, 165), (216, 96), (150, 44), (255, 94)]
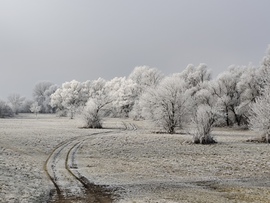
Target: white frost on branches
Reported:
[(260, 115), (70, 96), (166, 104), (202, 122)]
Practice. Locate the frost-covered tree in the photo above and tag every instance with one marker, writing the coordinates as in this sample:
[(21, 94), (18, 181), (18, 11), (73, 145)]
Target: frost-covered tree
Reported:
[(93, 113), (259, 119), (124, 92), (197, 81), (15, 102), (98, 104), (145, 77), (35, 108), (41, 94), (264, 73), (166, 104), (203, 121), (194, 76), (57, 102), (249, 88), (228, 95), (70, 96), (47, 102)]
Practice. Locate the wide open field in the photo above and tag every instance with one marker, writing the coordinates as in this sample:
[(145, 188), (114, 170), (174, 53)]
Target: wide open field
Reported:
[(137, 165)]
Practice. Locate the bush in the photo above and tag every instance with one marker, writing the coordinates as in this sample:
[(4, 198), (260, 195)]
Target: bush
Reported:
[(92, 115), (5, 110), (203, 122)]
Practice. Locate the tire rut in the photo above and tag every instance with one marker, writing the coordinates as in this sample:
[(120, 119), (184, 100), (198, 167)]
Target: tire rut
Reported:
[(70, 185)]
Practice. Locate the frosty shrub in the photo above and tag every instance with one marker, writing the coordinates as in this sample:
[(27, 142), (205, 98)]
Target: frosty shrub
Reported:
[(92, 115), (203, 122), (5, 110), (259, 119)]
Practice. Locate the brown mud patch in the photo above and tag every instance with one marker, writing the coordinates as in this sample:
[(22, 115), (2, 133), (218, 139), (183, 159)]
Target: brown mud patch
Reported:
[(93, 194)]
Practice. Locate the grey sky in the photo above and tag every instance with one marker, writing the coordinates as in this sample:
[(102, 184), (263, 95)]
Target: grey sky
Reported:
[(61, 40)]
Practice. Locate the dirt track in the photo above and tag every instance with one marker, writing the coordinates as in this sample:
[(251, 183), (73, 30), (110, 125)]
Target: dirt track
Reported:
[(70, 185)]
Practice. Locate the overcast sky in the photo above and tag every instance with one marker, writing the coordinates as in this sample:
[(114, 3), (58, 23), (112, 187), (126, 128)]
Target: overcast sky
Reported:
[(61, 40)]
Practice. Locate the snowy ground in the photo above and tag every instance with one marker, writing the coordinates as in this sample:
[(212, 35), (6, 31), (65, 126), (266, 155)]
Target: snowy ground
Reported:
[(142, 166), (25, 144)]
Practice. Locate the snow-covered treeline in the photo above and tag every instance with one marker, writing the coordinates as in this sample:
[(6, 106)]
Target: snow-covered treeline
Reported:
[(170, 101), (239, 96), (98, 98)]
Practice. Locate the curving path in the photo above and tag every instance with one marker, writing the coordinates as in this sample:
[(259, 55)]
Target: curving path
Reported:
[(70, 185)]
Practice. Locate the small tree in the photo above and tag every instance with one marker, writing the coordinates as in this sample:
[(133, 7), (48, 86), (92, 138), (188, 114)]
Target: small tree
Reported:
[(203, 122), (35, 108)]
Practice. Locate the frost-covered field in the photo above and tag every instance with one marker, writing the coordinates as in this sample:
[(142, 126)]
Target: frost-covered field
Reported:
[(165, 168), (25, 144), (143, 166)]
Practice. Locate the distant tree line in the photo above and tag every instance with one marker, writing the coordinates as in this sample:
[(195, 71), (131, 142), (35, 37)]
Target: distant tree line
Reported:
[(240, 96)]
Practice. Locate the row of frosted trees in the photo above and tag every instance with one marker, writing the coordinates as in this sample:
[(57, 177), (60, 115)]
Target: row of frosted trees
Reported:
[(41, 101), (237, 97)]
